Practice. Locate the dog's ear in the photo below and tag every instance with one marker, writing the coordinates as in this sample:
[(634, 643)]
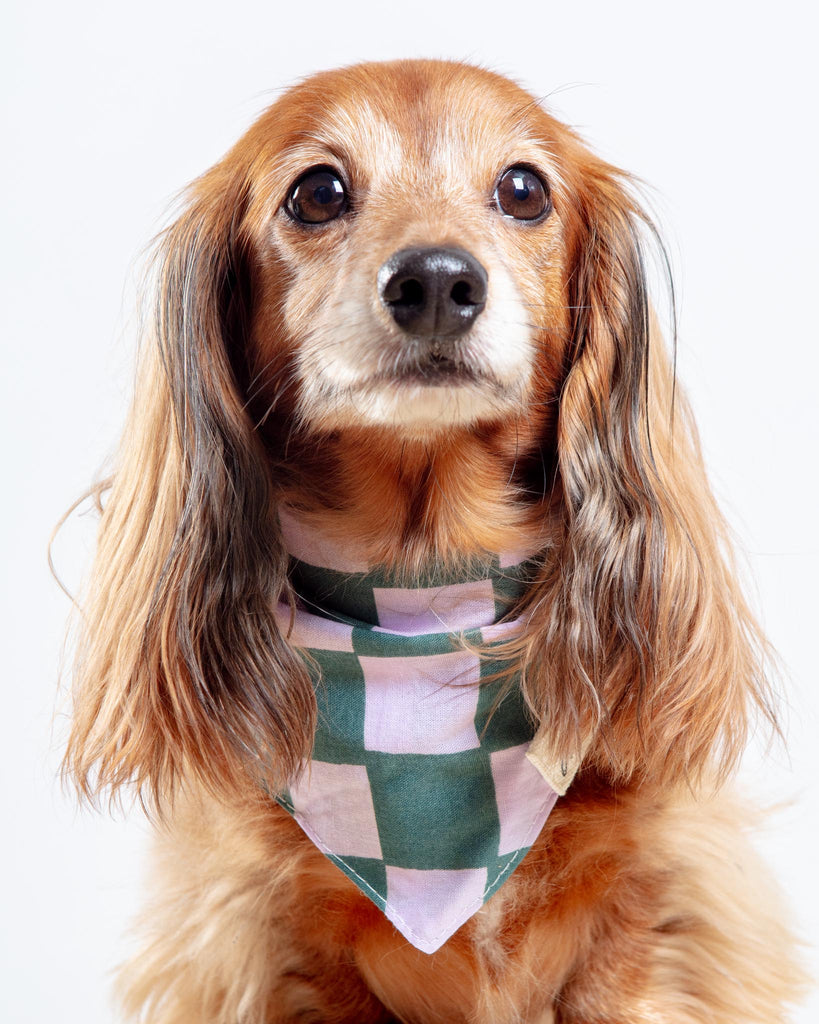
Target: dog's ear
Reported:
[(645, 639), (181, 667)]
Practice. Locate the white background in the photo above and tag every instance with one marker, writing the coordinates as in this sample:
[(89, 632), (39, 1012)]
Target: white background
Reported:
[(110, 109)]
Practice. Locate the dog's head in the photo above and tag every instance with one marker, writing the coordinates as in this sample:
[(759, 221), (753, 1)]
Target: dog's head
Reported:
[(401, 258), (409, 230)]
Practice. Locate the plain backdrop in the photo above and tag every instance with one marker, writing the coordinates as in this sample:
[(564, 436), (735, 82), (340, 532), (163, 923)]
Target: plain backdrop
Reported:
[(109, 109)]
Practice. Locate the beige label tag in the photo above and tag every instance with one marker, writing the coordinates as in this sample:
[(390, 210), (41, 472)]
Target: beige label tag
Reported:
[(557, 770)]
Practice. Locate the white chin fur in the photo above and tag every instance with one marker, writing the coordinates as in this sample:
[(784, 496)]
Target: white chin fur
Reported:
[(414, 409), (418, 406)]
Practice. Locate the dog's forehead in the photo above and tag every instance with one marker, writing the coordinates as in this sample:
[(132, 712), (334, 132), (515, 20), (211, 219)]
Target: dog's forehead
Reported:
[(413, 120)]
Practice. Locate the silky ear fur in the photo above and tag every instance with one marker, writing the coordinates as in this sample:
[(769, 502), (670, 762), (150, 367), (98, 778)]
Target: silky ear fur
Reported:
[(641, 653), (181, 668)]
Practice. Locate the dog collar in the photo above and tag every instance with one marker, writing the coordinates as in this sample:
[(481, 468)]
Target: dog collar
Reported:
[(424, 786)]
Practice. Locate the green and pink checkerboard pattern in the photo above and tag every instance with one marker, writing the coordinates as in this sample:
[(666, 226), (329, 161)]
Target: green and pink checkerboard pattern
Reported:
[(419, 788)]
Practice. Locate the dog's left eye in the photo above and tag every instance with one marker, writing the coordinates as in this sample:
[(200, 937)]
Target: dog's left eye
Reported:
[(522, 194), (318, 196)]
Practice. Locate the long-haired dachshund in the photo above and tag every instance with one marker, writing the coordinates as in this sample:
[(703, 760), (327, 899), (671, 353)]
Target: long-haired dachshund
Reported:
[(413, 619)]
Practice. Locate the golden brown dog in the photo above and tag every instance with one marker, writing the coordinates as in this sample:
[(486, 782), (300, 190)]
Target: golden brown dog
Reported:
[(412, 305)]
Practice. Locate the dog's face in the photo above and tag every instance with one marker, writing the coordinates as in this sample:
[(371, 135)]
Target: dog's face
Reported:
[(410, 236)]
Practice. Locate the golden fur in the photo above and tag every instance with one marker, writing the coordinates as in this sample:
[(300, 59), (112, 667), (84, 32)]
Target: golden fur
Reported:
[(266, 378)]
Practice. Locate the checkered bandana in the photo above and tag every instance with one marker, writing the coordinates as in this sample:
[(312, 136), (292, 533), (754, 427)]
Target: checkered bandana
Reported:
[(419, 788)]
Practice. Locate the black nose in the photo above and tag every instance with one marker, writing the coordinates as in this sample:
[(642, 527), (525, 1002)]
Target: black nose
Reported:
[(433, 292)]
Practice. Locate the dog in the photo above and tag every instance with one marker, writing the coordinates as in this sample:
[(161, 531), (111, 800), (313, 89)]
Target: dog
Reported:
[(409, 488)]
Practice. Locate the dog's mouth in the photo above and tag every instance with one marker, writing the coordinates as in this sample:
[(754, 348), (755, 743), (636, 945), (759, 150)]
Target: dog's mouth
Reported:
[(436, 365), (439, 370), (418, 384)]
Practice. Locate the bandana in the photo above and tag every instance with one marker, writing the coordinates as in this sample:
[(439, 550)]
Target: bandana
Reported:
[(424, 785)]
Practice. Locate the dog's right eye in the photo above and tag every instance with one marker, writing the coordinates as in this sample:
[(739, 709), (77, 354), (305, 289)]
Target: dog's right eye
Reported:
[(318, 196)]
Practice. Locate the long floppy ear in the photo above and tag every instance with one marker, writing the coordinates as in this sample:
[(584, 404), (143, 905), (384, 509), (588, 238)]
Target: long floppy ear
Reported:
[(181, 669), (653, 661)]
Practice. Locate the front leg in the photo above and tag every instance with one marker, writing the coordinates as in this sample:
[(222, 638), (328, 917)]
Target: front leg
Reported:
[(241, 928), (715, 948)]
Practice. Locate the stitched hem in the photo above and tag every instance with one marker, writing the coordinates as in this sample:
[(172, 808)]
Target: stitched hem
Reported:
[(428, 943)]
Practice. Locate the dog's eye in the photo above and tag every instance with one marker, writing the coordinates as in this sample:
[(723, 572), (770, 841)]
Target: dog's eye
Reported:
[(522, 194), (317, 197)]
